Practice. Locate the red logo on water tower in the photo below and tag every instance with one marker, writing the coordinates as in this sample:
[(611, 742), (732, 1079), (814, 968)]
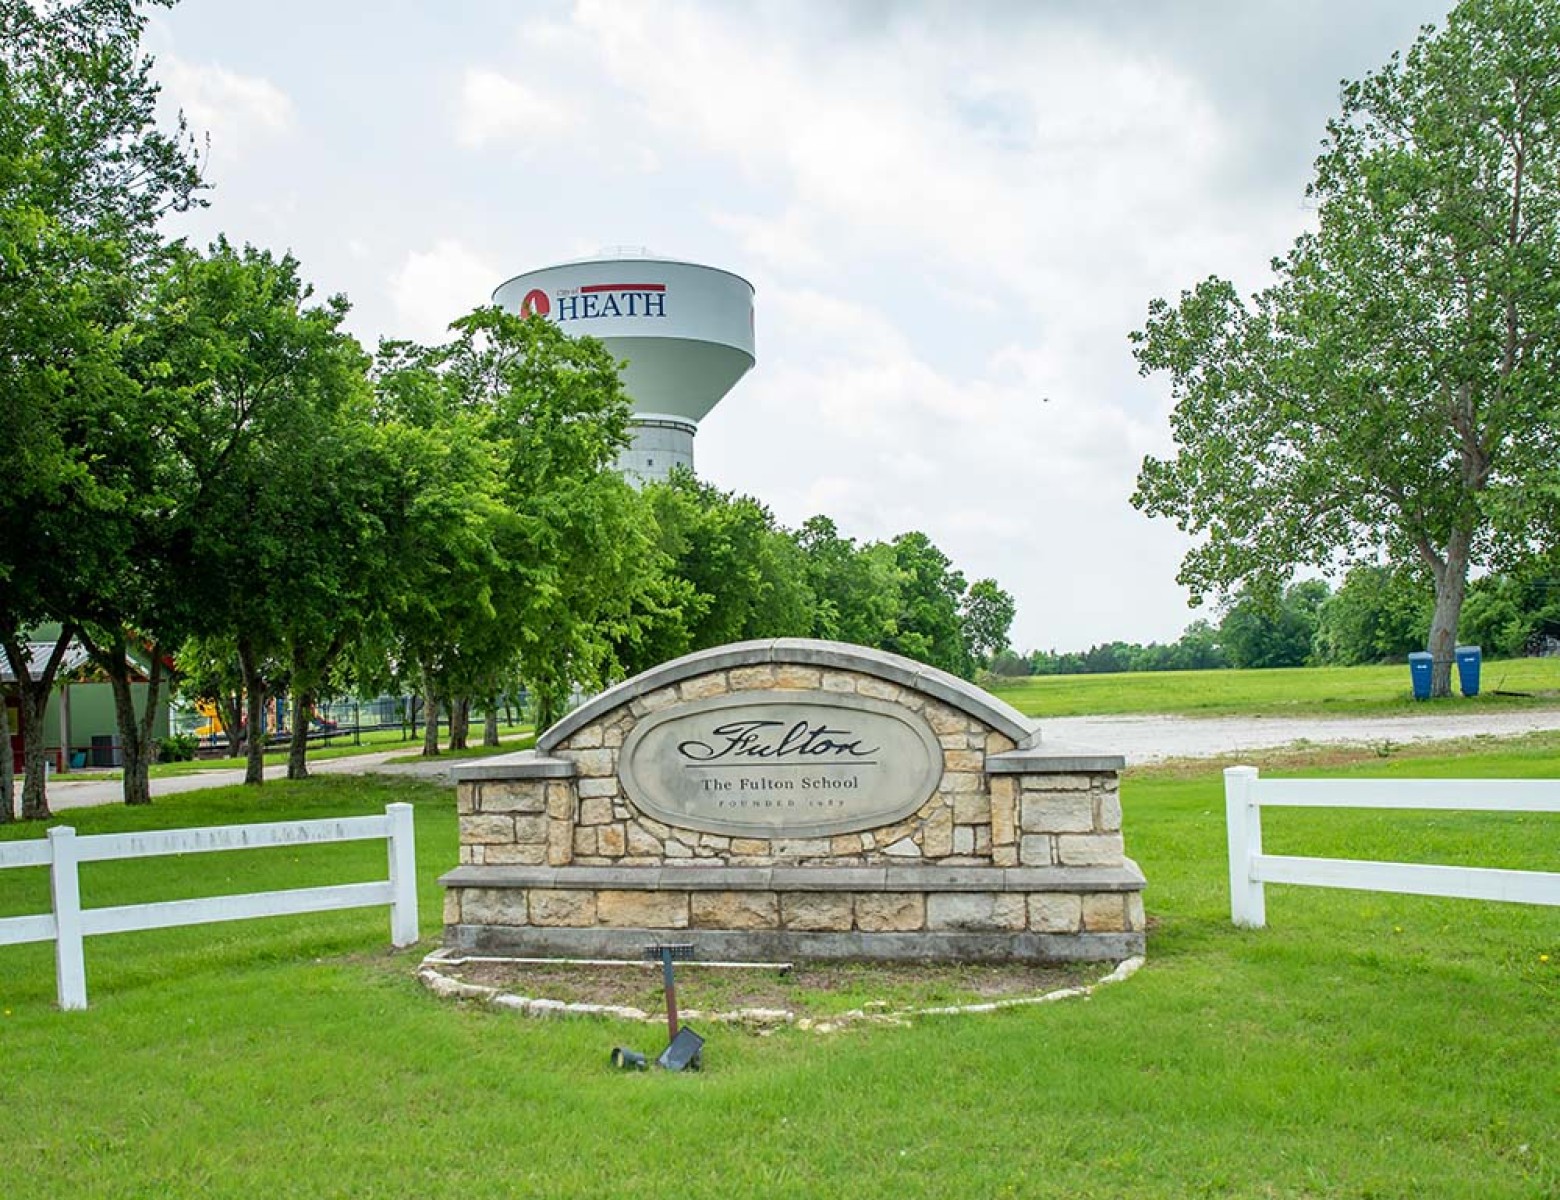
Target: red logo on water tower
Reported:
[(535, 304)]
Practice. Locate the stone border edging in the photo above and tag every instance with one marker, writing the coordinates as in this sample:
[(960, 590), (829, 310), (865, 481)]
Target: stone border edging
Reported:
[(761, 1019)]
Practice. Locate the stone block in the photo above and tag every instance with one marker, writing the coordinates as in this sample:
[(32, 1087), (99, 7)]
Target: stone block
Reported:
[(560, 843), (1055, 912), (964, 760), (903, 848), (1004, 810), (587, 737), (1057, 812), (704, 687), (964, 839), (972, 808), (596, 764), (937, 834), (802, 847), (1089, 850), (641, 842), (735, 910), (466, 798), (890, 912), (452, 906), (1104, 913), (566, 908), (1137, 922), (845, 845), (839, 681), (999, 743), (642, 910), (487, 830), (945, 720), (803, 679), (1034, 850), (585, 841), (750, 847), (675, 849), (492, 906), (514, 796), (530, 828), (957, 782), (598, 789), (522, 854), (815, 911), (561, 799), (975, 911), (595, 811), (753, 679), (1004, 856), (611, 841), (1107, 810)]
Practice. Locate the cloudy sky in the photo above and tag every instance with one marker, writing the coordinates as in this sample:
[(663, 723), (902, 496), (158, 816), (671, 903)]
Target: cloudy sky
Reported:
[(953, 214)]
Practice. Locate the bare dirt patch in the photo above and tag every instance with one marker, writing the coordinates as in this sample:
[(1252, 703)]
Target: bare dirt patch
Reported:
[(804, 990)]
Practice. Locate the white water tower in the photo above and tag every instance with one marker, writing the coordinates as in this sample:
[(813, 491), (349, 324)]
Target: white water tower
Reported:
[(683, 331)]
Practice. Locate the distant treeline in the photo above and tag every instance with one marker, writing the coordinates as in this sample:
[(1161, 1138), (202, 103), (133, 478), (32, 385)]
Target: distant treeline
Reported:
[(1376, 615)]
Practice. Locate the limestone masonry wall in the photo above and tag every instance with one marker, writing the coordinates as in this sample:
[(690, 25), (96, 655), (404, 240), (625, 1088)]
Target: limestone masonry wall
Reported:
[(1014, 841)]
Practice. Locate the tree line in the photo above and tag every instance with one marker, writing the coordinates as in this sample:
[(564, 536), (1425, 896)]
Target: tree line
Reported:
[(205, 467), (1376, 615)]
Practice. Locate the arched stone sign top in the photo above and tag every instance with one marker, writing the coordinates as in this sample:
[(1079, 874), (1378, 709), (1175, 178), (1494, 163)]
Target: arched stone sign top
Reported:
[(957, 693), (796, 798)]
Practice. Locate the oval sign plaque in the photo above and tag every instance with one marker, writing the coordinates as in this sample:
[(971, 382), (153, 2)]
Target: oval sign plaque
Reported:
[(772, 764)]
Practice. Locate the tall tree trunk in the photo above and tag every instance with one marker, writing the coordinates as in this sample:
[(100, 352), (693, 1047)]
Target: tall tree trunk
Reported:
[(1451, 585), (298, 746), (430, 747), (232, 713), (8, 774), (33, 703), (135, 729), (460, 722), (254, 699), (490, 726)]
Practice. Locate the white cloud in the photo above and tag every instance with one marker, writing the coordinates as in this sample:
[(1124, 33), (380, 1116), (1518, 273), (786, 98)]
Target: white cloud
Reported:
[(495, 107), (433, 287), (237, 111)]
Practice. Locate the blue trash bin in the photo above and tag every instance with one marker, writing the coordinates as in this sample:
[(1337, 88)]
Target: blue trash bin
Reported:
[(1420, 667), (1468, 660)]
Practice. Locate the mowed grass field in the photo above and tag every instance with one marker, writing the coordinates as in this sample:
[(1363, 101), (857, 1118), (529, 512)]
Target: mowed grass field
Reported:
[(1363, 1045), (1315, 691)]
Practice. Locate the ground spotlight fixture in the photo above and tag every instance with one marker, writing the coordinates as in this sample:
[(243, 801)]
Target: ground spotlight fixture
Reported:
[(628, 1060)]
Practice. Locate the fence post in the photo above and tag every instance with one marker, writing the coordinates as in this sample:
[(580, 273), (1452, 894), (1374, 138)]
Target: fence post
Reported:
[(403, 875), (1243, 826), (70, 967)]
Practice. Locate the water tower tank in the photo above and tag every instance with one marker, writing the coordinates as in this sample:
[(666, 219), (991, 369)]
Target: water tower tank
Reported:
[(684, 332)]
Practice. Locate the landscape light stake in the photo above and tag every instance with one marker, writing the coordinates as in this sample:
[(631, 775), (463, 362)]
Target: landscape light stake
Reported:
[(669, 952)]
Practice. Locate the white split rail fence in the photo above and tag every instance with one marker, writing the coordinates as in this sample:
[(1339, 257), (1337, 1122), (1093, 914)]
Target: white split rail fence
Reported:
[(63, 853), (1245, 795)]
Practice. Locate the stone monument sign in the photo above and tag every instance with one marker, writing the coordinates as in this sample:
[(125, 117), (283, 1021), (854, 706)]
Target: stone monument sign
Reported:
[(796, 799)]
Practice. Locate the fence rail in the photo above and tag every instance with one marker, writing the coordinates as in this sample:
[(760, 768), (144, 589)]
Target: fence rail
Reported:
[(68, 923), (1246, 794)]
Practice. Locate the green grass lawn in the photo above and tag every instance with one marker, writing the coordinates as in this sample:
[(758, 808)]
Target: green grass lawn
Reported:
[(1362, 1046), (1315, 691)]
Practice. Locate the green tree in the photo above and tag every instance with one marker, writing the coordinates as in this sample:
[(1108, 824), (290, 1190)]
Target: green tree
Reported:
[(258, 391), (928, 626), (85, 175), (1258, 633), (1392, 395), (987, 615), (1377, 615)]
